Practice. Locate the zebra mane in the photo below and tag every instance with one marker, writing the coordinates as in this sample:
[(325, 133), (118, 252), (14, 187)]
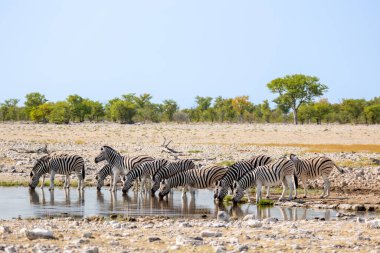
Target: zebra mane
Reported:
[(108, 147)]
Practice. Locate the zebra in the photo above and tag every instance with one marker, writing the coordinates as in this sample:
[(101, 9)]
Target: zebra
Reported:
[(144, 170), (267, 175), (101, 175), (312, 168), (194, 178), (58, 164), (235, 171), (120, 164), (169, 170)]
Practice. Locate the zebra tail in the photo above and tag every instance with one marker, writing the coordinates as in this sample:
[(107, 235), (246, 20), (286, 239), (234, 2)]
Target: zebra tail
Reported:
[(295, 180), (340, 169), (83, 173)]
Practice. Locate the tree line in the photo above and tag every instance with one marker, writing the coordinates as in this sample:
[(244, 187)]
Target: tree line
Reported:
[(296, 102)]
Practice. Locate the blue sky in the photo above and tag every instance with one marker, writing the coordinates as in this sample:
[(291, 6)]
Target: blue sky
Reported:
[(180, 49)]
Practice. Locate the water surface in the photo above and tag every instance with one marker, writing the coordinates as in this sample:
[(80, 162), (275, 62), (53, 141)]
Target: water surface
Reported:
[(21, 202)]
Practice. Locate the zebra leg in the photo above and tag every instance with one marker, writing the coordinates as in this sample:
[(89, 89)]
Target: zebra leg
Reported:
[(258, 193), (111, 183), (326, 187), (43, 181), (67, 181), (192, 192), (304, 182), (115, 177), (284, 188), (52, 174), (268, 192), (184, 190), (290, 185), (295, 188)]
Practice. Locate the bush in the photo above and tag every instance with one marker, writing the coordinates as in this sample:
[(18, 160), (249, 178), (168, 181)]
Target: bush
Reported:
[(181, 117)]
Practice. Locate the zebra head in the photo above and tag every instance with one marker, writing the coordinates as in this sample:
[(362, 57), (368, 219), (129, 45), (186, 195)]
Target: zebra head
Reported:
[(222, 190), (164, 188), (156, 185), (99, 182), (294, 158), (37, 171), (238, 193), (106, 153), (127, 185)]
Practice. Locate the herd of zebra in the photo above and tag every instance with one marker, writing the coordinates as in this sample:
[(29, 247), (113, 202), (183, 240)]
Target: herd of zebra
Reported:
[(163, 175)]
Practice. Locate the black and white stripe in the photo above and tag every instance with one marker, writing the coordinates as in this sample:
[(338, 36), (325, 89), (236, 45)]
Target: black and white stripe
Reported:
[(169, 170), (144, 171), (120, 164), (313, 168), (58, 164), (194, 178), (102, 174), (235, 171), (271, 174)]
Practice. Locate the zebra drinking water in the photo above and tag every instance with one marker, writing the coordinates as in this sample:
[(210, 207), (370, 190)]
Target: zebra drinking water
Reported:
[(194, 178), (101, 175), (235, 171), (58, 164), (169, 170), (271, 174), (312, 168), (144, 171), (120, 164)]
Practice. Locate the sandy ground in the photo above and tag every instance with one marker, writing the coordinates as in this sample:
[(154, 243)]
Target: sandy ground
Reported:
[(354, 148)]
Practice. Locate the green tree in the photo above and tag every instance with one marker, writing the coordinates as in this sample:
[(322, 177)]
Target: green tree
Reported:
[(96, 110), (78, 107), (9, 109), (321, 109), (265, 111), (224, 110), (352, 110), (59, 113), (242, 106), (122, 111), (372, 113), (41, 113), (295, 90), (305, 113), (169, 107), (33, 100)]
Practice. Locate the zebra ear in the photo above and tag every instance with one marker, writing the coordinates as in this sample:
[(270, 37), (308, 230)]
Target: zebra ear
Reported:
[(293, 157)]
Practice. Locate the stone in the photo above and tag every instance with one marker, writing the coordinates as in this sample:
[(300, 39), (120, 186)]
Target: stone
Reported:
[(242, 248), (185, 225), (219, 249), (114, 243), (249, 217), (360, 220), (39, 233), (88, 235), (211, 234), (183, 241), (374, 224), (358, 207), (10, 249), (254, 223), (5, 230), (91, 250), (153, 239), (223, 216), (270, 220)]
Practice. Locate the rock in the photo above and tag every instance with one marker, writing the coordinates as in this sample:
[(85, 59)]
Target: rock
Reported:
[(81, 241), (358, 207), (185, 225), (345, 206), (219, 249), (153, 239), (10, 249), (182, 241), (254, 223), (360, 220), (249, 217), (5, 230), (242, 248), (211, 234), (223, 216), (88, 235), (174, 247), (39, 233), (91, 250), (374, 224), (270, 220), (114, 243), (296, 247)]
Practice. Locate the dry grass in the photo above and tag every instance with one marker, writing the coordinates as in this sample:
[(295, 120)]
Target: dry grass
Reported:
[(325, 148)]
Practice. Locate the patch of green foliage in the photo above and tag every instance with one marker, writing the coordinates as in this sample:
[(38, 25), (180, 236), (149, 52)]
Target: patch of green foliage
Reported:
[(195, 151), (226, 163), (228, 200), (266, 202)]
